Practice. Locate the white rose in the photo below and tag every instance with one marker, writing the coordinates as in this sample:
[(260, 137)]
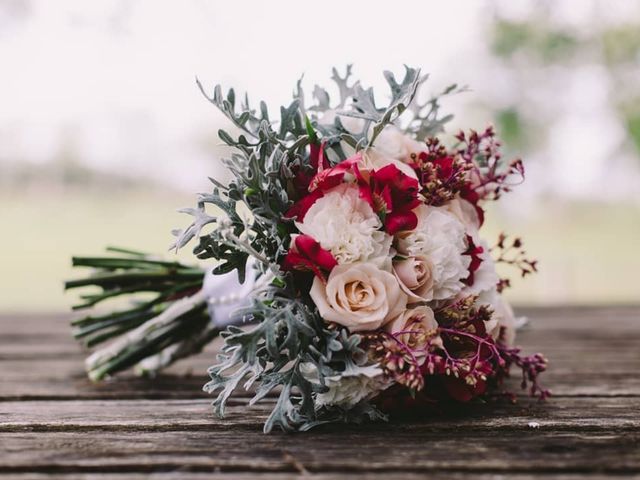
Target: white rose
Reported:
[(360, 297), (391, 143), (350, 124), (392, 147), (415, 275), (374, 158), (417, 329), (441, 238), (394, 143), (344, 224)]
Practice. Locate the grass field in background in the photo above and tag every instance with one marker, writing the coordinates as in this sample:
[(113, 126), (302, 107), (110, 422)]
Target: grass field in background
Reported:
[(42, 233), (587, 253)]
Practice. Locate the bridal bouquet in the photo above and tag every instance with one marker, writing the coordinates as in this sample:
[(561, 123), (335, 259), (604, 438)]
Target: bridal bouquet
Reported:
[(351, 278)]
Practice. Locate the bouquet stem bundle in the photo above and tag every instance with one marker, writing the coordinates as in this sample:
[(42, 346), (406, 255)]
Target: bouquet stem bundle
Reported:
[(147, 334)]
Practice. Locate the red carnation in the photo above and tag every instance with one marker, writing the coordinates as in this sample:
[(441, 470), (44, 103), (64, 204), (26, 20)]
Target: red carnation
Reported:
[(307, 255), (327, 178), (393, 196), (323, 180), (299, 209), (303, 179), (316, 156)]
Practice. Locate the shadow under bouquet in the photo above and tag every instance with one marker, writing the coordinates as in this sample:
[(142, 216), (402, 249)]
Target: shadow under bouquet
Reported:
[(350, 276)]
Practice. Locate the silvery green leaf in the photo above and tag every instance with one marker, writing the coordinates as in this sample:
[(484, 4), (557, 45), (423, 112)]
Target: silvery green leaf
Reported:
[(298, 94), (226, 138), (201, 219), (323, 101), (345, 90), (426, 121)]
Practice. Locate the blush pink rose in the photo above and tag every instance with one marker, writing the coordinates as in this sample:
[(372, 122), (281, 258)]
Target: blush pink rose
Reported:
[(417, 329), (415, 275), (359, 296)]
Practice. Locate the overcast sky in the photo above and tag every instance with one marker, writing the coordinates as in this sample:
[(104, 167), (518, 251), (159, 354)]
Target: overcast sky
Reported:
[(112, 82)]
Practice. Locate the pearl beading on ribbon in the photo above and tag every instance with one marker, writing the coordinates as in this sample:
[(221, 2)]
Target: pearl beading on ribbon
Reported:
[(224, 300), (225, 294)]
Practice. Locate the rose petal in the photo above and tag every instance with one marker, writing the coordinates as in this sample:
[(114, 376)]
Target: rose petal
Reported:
[(398, 221)]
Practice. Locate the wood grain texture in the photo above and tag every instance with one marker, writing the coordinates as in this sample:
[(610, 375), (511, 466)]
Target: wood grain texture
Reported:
[(54, 421), (432, 475)]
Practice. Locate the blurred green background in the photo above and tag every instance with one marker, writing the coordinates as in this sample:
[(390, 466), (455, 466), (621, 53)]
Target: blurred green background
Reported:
[(103, 135)]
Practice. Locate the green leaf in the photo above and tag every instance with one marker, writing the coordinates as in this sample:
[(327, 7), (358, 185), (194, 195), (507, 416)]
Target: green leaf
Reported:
[(313, 138)]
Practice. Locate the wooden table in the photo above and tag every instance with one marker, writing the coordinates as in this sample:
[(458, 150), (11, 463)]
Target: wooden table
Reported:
[(54, 421)]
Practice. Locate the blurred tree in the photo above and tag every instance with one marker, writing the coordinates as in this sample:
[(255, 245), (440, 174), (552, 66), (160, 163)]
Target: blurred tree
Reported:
[(544, 54), (621, 44), (535, 38)]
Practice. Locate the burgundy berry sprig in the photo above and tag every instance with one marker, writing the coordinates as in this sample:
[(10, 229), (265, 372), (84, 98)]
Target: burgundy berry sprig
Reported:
[(442, 173), (511, 252), (489, 176)]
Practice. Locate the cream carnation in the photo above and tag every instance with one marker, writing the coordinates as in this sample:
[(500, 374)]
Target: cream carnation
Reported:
[(485, 277), (465, 212), (350, 387), (344, 224), (360, 297), (441, 238)]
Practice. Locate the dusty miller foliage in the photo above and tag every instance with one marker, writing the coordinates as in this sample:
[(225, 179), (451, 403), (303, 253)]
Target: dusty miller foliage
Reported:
[(287, 330)]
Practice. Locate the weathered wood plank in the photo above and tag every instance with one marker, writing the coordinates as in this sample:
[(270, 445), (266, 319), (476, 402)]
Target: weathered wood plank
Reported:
[(555, 341), (432, 475), (592, 414), (65, 380), (592, 352), (414, 448), (594, 429), (577, 372), (46, 331), (198, 452)]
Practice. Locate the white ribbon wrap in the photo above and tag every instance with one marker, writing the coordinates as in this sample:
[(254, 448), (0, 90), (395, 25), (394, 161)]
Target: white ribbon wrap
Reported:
[(225, 294)]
